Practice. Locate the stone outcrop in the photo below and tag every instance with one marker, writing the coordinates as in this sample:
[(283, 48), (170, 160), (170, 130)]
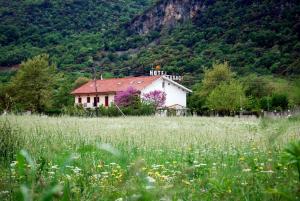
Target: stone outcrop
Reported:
[(165, 14)]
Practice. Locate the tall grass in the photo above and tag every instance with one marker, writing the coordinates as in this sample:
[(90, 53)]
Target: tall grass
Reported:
[(150, 158)]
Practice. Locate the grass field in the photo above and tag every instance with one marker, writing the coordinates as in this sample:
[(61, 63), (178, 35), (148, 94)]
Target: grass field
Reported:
[(147, 158)]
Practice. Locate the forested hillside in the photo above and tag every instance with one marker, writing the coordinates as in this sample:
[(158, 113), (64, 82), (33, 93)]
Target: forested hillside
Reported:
[(254, 36), (68, 30)]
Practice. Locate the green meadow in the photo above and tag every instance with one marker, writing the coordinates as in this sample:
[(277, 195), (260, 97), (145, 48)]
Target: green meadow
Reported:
[(148, 158)]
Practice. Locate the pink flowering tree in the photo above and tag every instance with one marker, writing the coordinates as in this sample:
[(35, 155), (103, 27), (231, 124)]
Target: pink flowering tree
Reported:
[(129, 97), (156, 97)]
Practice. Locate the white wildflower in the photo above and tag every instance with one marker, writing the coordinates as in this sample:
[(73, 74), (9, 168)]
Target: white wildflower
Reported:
[(76, 170), (13, 164), (267, 171), (54, 167), (247, 170)]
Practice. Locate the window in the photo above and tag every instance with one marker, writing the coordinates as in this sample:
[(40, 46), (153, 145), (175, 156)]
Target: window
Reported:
[(79, 100), (95, 101), (88, 99), (98, 99), (163, 84), (106, 101)]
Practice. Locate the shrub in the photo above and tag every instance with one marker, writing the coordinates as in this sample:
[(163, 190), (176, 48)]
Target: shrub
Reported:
[(156, 97), (280, 101), (129, 97)]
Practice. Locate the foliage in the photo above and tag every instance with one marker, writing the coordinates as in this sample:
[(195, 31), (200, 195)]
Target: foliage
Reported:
[(128, 97), (10, 142), (261, 38), (219, 73), (70, 31), (156, 97), (33, 84), (112, 111), (227, 97), (149, 159), (257, 86), (280, 101), (80, 81), (292, 155)]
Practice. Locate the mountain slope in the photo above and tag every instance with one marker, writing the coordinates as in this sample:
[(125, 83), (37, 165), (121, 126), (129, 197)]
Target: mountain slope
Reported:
[(254, 36), (165, 14), (68, 30), (184, 36)]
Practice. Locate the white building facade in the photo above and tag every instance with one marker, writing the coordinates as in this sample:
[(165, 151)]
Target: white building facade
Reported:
[(102, 92)]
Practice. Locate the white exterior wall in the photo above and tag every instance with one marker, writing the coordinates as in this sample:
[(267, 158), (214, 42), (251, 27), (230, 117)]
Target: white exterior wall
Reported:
[(175, 94), (111, 98)]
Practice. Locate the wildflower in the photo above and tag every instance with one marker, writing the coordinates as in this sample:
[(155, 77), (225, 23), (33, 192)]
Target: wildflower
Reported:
[(4, 192), (246, 170), (244, 183), (267, 171), (75, 156), (96, 176), (14, 163), (76, 170), (186, 182), (54, 167), (68, 177), (151, 182)]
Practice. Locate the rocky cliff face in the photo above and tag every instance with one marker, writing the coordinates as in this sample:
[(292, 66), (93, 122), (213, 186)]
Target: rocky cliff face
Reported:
[(165, 14)]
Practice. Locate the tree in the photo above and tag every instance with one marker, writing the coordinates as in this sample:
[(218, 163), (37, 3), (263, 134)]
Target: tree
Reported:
[(256, 86), (156, 97), (80, 81), (218, 74), (33, 84), (129, 97), (227, 97)]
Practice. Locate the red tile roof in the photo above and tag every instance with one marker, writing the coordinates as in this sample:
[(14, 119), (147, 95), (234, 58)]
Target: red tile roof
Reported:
[(116, 84)]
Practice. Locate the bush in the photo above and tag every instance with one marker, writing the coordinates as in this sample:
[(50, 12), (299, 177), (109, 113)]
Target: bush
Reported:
[(112, 111), (280, 102)]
